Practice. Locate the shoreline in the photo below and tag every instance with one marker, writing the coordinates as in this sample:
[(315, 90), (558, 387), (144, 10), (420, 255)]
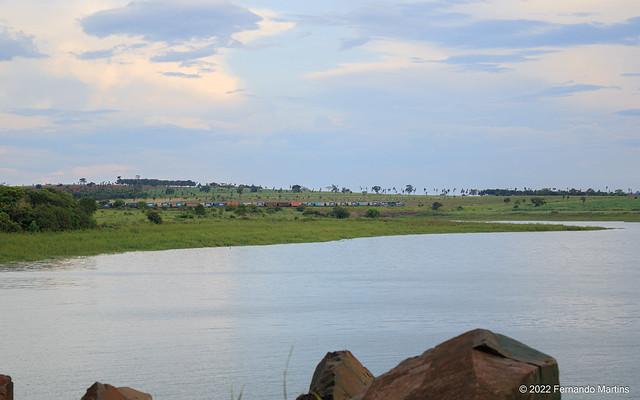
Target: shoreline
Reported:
[(32, 247)]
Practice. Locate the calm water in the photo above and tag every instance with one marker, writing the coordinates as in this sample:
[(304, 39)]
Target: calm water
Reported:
[(192, 324)]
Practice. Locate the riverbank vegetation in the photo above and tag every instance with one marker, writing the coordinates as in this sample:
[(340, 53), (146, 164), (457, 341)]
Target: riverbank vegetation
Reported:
[(121, 231), (153, 228), (34, 210)]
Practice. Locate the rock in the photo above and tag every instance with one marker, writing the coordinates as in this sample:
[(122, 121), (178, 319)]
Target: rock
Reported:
[(477, 365), (6, 388), (101, 391), (339, 376)]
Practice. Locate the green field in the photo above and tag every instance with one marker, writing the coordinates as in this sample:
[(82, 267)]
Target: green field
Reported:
[(557, 208), (129, 230)]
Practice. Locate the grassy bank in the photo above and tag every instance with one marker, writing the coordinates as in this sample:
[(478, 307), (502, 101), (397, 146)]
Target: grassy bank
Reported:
[(122, 231)]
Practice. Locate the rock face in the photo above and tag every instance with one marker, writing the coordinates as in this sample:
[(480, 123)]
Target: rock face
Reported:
[(100, 391), (339, 376), (6, 388), (477, 365)]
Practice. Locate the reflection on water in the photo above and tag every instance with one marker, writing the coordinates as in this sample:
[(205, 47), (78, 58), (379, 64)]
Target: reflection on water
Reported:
[(191, 324)]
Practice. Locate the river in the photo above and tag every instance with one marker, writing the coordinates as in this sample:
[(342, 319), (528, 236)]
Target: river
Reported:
[(195, 324)]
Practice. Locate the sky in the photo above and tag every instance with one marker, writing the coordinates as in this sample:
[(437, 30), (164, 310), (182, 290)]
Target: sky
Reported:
[(458, 93)]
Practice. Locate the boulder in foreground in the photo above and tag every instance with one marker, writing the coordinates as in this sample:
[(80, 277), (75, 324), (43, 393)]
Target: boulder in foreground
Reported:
[(101, 391), (6, 388), (339, 376), (477, 365)]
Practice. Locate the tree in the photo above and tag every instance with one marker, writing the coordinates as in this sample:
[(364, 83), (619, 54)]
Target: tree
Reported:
[(154, 217), (408, 189), (436, 205), (376, 189), (83, 181), (296, 188)]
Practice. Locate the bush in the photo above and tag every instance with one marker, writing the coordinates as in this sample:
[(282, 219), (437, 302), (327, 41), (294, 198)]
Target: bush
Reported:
[(154, 217), (372, 213), (45, 209), (199, 210), (300, 208), (241, 210), (88, 205), (7, 225), (313, 213), (33, 227), (507, 200), (538, 201), (340, 212), (118, 204), (436, 205)]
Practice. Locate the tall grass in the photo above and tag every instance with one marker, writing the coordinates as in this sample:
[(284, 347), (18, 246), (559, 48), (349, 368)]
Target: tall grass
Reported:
[(214, 232)]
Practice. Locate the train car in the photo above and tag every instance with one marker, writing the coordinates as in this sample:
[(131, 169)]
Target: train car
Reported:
[(296, 203)]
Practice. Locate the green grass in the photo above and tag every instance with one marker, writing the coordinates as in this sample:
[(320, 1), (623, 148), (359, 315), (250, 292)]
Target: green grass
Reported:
[(122, 231), (129, 230)]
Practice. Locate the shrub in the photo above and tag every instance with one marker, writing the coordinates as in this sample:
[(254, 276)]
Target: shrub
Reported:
[(33, 227), (88, 205), (312, 213), (118, 204), (372, 213), (154, 217), (199, 210), (300, 208), (538, 201), (436, 205), (507, 200), (7, 225), (45, 209), (340, 212), (241, 210)]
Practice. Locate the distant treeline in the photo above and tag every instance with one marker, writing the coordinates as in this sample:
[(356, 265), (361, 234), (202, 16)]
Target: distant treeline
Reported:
[(47, 209), (156, 182), (549, 192)]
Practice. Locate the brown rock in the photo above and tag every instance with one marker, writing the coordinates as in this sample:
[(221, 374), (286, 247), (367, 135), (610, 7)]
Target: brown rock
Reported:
[(339, 376), (477, 365), (101, 391), (6, 388)]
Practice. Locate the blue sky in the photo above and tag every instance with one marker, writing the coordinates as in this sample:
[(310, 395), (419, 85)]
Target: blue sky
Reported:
[(462, 93)]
